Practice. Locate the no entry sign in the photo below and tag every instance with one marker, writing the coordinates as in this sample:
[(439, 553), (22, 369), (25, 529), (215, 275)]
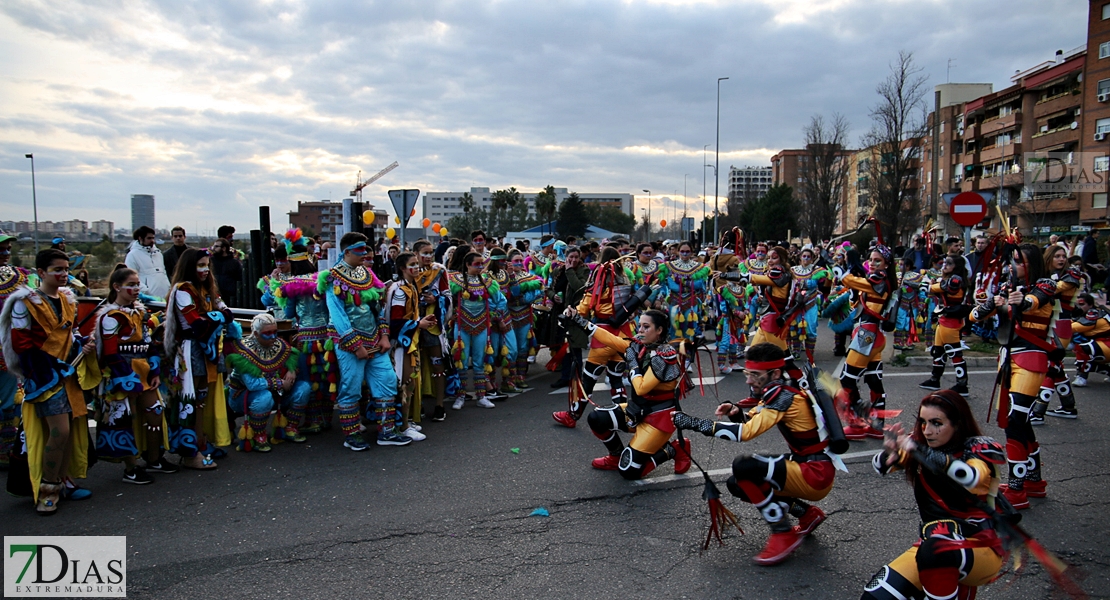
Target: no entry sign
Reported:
[(967, 209)]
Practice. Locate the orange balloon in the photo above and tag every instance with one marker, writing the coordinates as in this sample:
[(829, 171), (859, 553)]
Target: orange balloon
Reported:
[(427, 222), (413, 213), (663, 223), (436, 227)]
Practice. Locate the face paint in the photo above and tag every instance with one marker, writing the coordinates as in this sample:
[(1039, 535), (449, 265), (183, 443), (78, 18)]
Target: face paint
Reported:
[(202, 271), (60, 274), (131, 289), (267, 336), (427, 256)]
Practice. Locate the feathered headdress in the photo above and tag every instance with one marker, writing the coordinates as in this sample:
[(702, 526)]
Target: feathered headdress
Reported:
[(294, 238)]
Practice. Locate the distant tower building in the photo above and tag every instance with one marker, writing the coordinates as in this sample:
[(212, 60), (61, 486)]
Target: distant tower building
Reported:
[(142, 211)]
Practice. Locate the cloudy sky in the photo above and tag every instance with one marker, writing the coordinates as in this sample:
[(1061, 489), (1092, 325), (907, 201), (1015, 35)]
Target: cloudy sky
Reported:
[(218, 107)]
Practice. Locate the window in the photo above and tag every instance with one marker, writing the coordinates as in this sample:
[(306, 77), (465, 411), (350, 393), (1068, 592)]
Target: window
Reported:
[(1099, 200), (1102, 126), (1102, 164), (1104, 84), (1104, 50), (1105, 11), (942, 126)]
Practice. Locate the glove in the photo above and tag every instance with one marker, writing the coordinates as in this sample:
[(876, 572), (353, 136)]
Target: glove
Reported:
[(685, 421), (583, 322)]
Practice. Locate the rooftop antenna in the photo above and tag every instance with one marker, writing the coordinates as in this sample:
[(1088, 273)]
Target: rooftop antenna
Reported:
[(950, 65)]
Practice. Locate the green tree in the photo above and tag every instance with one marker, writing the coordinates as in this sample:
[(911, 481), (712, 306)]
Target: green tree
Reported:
[(105, 252), (460, 226), (573, 217), (501, 217), (611, 218), (770, 217), (546, 205)]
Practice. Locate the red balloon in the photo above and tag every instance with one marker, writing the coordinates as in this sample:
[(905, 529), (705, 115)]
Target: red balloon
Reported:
[(663, 223), (427, 222)]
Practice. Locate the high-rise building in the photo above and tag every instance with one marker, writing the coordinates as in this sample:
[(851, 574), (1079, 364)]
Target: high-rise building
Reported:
[(142, 211), (441, 206), (748, 183), (792, 166)]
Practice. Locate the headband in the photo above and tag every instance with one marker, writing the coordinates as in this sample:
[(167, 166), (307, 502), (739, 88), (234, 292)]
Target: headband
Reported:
[(57, 240), (548, 243), (752, 365), (355, 246), (298, 256)]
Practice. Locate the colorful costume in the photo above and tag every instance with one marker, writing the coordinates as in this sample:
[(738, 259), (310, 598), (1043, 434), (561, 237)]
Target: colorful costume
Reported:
[(434, 347), (300, 299), (257, 374), (523, 290), (477, 299), (686, 282), (731, 299), (865, 356), (950, 314), (132, 360), (195, 327), (911, 306), (1027, 329), (1092, 344), (353, 296), (656, 374), (959, 549), (501, 337), (1068, 282), (810, 278), (778, 485), (12, 279)]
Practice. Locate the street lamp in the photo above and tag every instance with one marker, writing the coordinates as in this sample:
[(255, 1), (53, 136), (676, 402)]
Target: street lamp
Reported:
[(648, 192), (703, 160), (716, 183), (715, 232), (34, 201)]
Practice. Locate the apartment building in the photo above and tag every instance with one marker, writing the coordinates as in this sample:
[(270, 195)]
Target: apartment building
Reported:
[(1095, 120), (321, 217), (749, 183), (441, 206), (790, 167)]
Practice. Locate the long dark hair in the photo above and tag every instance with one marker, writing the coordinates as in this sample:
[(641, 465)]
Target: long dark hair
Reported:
[(399, 264), (119, 276), (458, 259), (186, 272), (958, 413), (660, 319), (1034, 263)]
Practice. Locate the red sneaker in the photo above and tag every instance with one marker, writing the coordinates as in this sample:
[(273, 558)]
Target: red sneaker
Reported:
[(1017, 498), (814, 516), (606, 463), (1036, 489), (857, 432), (564, 418), (681, 456), (779, 546), (874, 433)]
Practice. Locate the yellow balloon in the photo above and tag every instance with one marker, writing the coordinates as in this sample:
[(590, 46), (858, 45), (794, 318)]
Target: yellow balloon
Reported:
[(443, 231), (397, 220), (367, 217), (391, 233)]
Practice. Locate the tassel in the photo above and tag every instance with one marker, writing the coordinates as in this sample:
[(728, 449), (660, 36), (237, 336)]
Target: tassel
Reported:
[(718, 513)]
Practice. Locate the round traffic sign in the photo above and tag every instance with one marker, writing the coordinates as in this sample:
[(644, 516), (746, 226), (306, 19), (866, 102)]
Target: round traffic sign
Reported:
[(967, 209)]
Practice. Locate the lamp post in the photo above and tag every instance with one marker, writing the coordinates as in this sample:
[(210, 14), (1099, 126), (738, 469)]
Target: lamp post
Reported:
[(648, 192), (717, 161), (703, 161), (34, 201), (684, 176)]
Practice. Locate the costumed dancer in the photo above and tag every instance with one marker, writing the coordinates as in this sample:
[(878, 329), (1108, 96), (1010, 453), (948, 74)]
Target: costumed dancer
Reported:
[(407, 322), (650, 271), (657, 375), (353, 295), (542, 262), (1068, 280), (435, 301), (950, 313), (839, 310), (607, 291), (865, 353), (911, 302), (567, 287), (811, 277), (132, 360), (196, 321), (38, 326), (779, 486), (501, 338), (264, 375), (12, 279), (524, 290), (477, 297), (731, 300), (1025, 306), (954, 471), (1092, 339)]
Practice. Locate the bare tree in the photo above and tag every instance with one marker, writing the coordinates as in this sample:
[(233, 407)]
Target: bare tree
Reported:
[(824, 176), (898, 122)]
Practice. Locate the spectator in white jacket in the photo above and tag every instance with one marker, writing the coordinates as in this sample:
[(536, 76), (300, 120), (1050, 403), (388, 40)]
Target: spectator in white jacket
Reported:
[(145, 259)]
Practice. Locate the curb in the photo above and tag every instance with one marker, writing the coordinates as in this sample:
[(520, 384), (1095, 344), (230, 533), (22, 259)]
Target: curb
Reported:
[(972, 361)]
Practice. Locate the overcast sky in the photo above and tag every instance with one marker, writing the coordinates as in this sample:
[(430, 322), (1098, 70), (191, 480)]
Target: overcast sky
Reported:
[(218, 107)]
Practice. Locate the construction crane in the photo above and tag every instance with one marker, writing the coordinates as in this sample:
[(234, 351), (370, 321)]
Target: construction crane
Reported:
[(359, 184)]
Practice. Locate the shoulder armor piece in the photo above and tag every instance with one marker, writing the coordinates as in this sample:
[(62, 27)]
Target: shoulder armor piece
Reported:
[(877, 279), (665, 364), (783, 398), (953, 283), (986, 449), (1070, 275)]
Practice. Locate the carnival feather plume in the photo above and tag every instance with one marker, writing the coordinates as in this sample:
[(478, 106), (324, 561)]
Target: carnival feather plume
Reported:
[(293, 237)]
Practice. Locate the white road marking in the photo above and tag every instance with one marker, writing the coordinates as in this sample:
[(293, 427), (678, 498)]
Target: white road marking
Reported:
[(847, 458), (887, 373)]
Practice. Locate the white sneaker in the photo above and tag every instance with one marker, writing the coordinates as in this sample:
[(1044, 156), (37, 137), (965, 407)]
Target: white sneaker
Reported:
[(414, 426), (1079, 381), (458, 403), (724, 369), (414, 434), (531, 359), (737, 366), (485, 403)]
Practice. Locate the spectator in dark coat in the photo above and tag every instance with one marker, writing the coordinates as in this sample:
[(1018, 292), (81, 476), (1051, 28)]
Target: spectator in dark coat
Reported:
[(227, 270), (174, 252), (919, 255)]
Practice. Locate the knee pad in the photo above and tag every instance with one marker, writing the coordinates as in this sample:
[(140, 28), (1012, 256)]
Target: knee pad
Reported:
[(594, 370), (937, 352), (761, 469), (605, 420), (889, 584), (632, 462), (930, 557)]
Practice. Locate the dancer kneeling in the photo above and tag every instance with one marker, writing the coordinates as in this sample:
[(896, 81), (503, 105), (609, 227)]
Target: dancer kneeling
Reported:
[(954, 471), (656, 373), (776, 485)]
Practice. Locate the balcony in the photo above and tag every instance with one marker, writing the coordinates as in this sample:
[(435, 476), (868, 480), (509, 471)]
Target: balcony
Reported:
[(1012, 180), (997, 152), (1000, 124), (971, 131), (1056, 137), (1057, 104)]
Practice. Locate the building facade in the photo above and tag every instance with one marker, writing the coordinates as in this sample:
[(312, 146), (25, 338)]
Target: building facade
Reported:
[(790, 167), (1095, 120), (320, 218), (749, 183), (142, 211), (441, 206), (102, 228)]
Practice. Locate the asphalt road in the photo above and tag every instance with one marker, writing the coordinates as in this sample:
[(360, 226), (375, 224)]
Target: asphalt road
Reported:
[(449, 517)]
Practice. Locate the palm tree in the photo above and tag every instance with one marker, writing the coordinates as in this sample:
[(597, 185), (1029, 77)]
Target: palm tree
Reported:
[(546, 204)]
